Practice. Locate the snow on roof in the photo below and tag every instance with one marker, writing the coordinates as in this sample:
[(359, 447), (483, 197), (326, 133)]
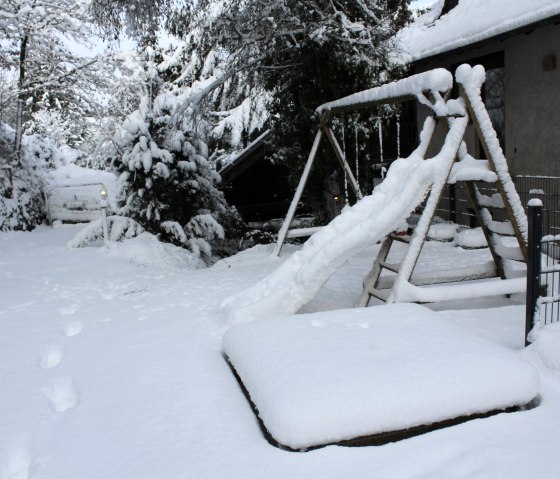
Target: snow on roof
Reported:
[(471, 21), (232, 161)]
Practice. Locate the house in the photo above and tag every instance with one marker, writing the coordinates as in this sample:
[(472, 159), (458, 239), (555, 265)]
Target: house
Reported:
[(518, 42), (257, 187)]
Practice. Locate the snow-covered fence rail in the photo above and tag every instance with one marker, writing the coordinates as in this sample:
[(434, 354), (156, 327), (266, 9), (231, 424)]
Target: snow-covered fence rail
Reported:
[(456, 207), (75, 203), (543, 268)]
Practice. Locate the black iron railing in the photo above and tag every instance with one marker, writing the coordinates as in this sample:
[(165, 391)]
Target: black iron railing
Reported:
[(543, 267), (455, 205)]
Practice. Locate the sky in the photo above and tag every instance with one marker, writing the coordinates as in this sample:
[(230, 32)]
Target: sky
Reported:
[(128, 44), (421, 3)]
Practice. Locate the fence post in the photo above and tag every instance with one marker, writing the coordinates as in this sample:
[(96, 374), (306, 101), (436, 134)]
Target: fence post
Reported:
[(534, 219), (452, 204)]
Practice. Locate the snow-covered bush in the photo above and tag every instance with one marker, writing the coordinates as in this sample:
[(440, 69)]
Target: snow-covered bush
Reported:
[(22, 205)]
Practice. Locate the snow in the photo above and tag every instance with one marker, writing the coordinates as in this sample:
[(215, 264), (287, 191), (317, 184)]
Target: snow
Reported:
[(535, 202), (352, 373), (155, 397), (469, 22), (470, 169)]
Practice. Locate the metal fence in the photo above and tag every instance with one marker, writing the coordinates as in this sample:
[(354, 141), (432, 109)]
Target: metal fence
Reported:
[(543, 267), (455, 205)]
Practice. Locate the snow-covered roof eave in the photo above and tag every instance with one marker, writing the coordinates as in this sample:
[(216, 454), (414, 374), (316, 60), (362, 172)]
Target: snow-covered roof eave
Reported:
[(472, 24), (228, 172)]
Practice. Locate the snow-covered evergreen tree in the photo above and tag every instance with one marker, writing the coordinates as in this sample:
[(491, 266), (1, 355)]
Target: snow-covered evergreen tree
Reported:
[(283, 58), (166, 183)]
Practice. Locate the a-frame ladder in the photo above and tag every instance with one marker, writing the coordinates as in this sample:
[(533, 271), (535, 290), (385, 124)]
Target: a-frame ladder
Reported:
[(404, 286)]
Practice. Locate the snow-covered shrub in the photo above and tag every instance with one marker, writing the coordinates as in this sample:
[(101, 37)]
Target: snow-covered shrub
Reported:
[(22, 205), (119, 228), (260, 237)]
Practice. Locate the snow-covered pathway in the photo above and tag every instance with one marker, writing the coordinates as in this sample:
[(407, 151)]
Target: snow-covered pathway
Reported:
[(111, 367)]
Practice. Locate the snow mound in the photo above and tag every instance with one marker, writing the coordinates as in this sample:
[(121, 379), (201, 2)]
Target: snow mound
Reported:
[(546, 346), (146, 250), (471, 239), (325, 377), (442, 232)]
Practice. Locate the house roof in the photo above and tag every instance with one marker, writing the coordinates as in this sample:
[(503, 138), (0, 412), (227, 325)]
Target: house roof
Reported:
[(470, 22), (244, 159)]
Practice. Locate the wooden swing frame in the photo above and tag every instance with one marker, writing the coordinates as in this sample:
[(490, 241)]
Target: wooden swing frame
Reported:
[(431, 97)]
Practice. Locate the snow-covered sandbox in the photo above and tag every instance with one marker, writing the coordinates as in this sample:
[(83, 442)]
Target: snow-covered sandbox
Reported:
[(327, 377)]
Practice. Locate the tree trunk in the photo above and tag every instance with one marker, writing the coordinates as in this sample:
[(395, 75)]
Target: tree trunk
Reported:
[(21, 100)]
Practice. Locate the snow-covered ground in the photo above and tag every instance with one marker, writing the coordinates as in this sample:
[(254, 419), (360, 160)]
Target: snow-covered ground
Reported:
[(111, 365)]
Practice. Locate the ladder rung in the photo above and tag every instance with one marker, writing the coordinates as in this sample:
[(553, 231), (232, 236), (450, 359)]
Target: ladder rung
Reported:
[(503, 228), (466, 273), (381, 294), (512, 253), (402, 239), (495, 201), (394, 267)]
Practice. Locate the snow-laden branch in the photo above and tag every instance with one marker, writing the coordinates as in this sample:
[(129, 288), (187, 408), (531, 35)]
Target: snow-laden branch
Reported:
[(40, 85)]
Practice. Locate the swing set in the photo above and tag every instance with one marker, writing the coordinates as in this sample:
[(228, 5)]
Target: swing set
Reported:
[(457, 165)]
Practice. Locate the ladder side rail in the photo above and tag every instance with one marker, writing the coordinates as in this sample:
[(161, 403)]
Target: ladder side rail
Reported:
[(341, 157), (493, 151), (448, 153), (483, 221), (372, 278)]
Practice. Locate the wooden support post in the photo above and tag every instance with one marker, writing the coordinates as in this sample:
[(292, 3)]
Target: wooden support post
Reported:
[(342, 159), (533, 266), (373, 277), (297, 196), (498, 164)]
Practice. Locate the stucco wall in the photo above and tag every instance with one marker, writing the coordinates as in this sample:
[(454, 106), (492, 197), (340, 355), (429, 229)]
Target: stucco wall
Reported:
[(532, 99)]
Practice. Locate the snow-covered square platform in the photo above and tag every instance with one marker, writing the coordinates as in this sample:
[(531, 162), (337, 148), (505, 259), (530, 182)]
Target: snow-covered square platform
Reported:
[(329, 377)]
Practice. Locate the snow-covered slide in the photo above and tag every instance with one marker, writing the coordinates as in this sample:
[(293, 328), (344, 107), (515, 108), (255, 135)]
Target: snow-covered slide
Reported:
[(301, 276)]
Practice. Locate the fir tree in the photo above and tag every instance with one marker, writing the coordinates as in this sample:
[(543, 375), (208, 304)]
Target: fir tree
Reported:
[(166, 183)]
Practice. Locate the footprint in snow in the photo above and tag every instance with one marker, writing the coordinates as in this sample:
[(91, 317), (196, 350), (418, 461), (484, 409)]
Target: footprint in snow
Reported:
[(61, 394), (51, 357), (68, 310), (318, 323), (17, 465), (73, 329)]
